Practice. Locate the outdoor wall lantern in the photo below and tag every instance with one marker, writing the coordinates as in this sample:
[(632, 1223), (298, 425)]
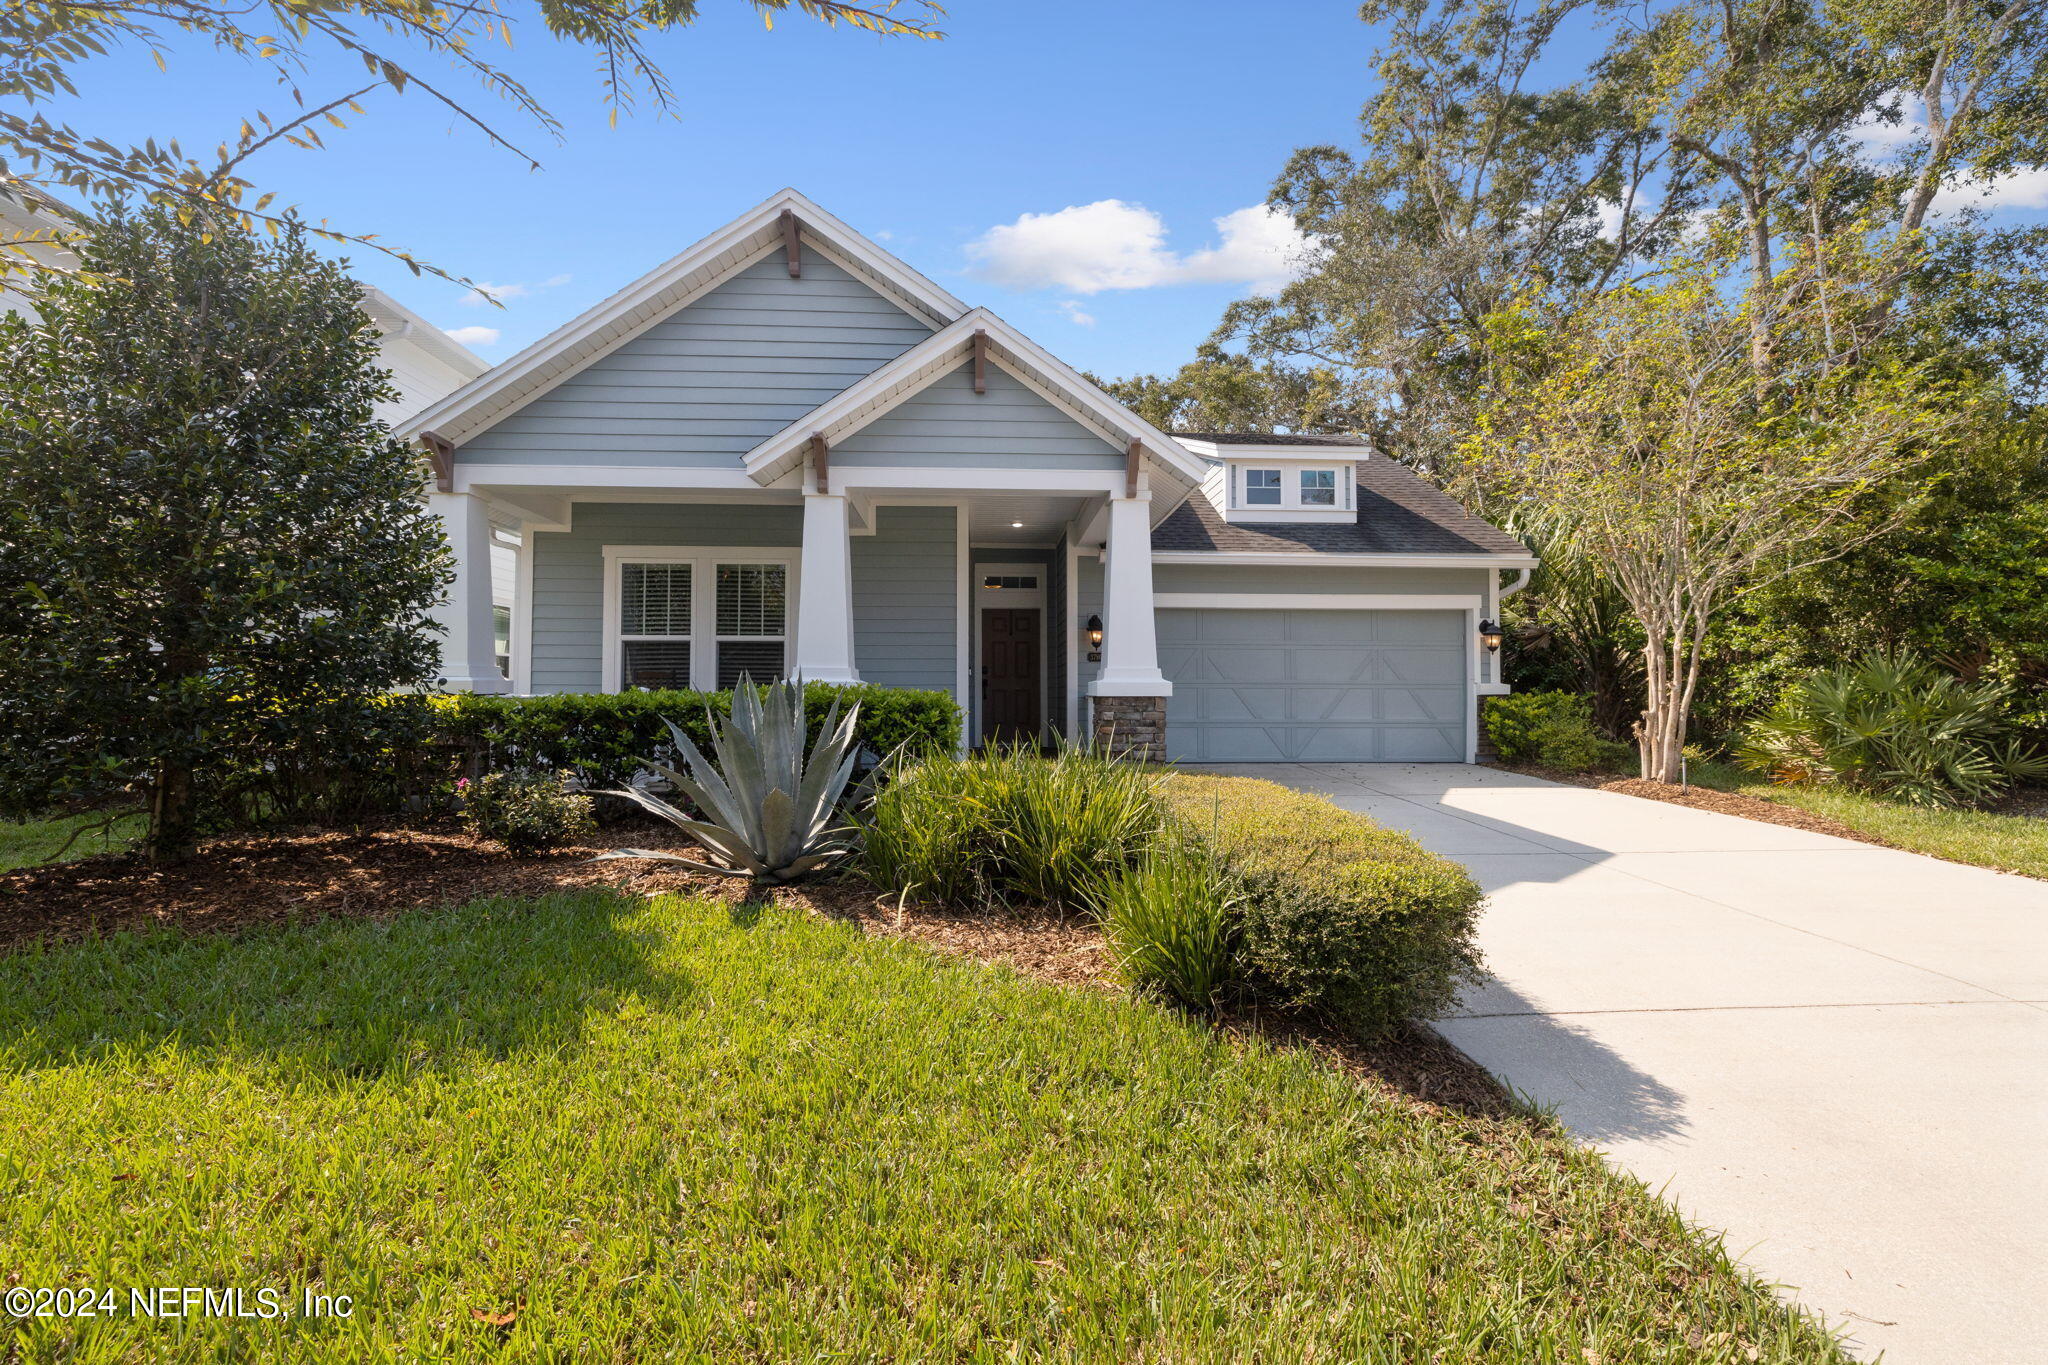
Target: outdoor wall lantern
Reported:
[(1095, 639), (1490, 636)]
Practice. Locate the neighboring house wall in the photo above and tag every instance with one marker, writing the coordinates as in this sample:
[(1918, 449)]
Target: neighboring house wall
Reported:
[(906, 584), (949, 424), (420, 378), (568, 572), (701, 387)]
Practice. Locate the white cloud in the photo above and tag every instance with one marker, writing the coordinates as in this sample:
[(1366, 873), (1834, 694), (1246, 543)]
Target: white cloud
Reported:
[(1075, 314), (474, 336), (505, 293), (1110, 244), (1609, 214), (2027, 189)]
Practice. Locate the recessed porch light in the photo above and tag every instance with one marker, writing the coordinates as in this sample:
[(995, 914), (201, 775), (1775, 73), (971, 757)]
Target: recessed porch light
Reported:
[(1017, 525)]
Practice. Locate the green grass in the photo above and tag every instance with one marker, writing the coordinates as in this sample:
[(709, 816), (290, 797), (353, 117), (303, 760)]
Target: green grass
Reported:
[(661, 1130), (37, 841), (2010, 843)]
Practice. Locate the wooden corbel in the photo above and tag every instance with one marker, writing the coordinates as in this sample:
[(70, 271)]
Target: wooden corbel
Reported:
[(790, 247), (821, 461), (980, 360), (441, 455), (1134, 459)]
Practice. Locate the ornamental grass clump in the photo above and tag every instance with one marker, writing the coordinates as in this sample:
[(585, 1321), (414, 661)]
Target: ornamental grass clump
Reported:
[(1169, 922), (773, 813), (1007, 824), (1894, 727)]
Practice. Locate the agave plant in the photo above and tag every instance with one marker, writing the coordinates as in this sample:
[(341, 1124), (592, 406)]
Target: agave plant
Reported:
[(769, 811)]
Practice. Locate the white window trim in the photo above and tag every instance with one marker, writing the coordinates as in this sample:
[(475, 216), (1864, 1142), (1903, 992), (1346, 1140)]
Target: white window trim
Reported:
[(1290, 472), (704, 560)]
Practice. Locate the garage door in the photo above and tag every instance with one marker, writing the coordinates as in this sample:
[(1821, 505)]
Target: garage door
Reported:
[(1254, 686)]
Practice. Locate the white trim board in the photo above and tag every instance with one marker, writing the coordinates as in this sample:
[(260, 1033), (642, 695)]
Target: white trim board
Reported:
[(1313, 559), (1314, 601)]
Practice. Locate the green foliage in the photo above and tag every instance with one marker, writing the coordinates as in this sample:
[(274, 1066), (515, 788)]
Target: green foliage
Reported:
[(1896, 727), (1008, 823), (527, 812), (1554, 729), (210, 548), (1170, 922), (1335, 915), (768, 809), (635, 1121), (605, 738)]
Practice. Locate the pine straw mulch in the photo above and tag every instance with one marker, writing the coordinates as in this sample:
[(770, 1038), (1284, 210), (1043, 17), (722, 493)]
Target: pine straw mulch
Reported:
[(244, 883)]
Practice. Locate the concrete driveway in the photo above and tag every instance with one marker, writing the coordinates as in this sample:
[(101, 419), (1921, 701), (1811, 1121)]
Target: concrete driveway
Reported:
[(1836, 1053)]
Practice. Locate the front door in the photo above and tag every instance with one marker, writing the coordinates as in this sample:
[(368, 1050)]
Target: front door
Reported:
[(1009, 674)]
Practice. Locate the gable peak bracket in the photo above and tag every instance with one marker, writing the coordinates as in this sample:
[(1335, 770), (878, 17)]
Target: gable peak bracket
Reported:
[(441, 455), (1134, 460), (981, 360), (792, 249), (821, 461)]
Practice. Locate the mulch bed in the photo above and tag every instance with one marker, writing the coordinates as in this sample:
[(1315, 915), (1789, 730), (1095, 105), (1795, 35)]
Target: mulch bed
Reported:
[(1702, 798), (239, 884)]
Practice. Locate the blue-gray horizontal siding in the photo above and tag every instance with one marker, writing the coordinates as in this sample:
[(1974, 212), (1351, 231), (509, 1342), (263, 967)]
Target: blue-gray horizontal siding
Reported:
[(950, 424), (906, 608), (568, 572), (703, 386)]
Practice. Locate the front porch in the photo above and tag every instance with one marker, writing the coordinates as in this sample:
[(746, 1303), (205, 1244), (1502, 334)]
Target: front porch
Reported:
[(979, 583)]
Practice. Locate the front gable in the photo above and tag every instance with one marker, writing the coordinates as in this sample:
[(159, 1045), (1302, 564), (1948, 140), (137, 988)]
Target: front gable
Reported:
[(948, 423), (701, 386)]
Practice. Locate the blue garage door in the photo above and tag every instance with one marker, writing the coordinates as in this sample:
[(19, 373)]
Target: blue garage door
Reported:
[(1315, 686)]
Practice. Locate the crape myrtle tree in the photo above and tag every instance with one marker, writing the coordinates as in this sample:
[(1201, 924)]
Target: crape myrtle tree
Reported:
[(1641, 421), (206, 535)]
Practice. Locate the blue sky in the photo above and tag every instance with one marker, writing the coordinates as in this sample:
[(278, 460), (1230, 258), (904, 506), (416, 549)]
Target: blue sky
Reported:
[(1184, 110)]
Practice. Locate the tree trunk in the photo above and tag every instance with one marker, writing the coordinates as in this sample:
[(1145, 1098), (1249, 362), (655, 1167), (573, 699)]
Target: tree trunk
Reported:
[(173, 817), (1660, 734)]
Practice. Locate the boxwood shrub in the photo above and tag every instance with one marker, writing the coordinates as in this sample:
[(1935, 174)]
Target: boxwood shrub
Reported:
[(1338, 916), (604, 737), (1551, 728)]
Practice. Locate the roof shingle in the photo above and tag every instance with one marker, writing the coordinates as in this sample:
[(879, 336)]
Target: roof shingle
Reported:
[(1398, 513)]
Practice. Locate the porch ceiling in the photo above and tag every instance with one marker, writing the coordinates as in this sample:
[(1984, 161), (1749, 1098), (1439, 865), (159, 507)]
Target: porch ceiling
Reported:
[(993, 519)]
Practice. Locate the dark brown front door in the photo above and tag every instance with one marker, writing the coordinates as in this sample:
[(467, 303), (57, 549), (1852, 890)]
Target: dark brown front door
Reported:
[(1009, 674)]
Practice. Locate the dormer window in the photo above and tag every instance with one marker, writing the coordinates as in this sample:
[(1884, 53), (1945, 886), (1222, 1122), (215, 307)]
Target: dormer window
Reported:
[(1318, 488), (1262, 487)]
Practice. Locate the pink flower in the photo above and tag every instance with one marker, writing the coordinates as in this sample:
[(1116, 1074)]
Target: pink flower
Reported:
[(462, 784)]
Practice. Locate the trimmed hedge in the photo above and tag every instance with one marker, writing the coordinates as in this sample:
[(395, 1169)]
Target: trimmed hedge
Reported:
[(604, 738), (1338, 916)]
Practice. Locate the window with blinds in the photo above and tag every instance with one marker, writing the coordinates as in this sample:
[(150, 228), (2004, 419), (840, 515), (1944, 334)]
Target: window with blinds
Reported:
[(753, 615), (654, 625)]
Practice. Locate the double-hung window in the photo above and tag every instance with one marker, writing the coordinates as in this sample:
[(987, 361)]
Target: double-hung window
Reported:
[(753, 622), (689, 618), (1318, 488), (1262, 488)]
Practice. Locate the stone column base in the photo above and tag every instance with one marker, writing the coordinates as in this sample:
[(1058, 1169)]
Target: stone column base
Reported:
[(1130, 727)]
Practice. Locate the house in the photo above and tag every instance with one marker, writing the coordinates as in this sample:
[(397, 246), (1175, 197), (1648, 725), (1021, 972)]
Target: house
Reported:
[(787, 452)]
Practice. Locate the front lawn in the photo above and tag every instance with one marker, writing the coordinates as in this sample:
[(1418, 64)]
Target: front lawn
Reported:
[(614, 1128), (38, 841)]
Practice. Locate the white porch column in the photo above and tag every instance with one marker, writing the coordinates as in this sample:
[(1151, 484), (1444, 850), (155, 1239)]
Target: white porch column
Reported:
[(468, 648), (1130, 643), (824, 599)]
